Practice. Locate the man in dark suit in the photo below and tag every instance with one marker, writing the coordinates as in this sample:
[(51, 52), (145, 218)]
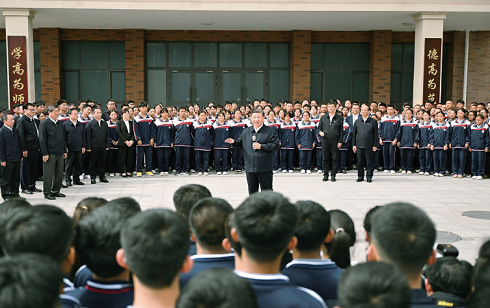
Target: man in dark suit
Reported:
[(10, 157), (75, 142), (53, 151), (351, 119), (364, 143), (258, 142), (331, 129), (98, 142), (28, 128)]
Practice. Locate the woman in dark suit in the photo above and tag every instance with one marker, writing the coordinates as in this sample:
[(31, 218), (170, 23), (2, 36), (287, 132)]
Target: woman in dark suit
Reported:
[(124, 128)]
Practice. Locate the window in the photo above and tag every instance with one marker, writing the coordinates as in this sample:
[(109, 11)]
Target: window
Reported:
[(402, 57), (94, 70), (180, 73), (339, 71)]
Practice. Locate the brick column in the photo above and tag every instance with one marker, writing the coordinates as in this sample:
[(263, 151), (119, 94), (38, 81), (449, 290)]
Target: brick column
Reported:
[(455, 65), (300, 65), (135, 64), (380, 66), (50, 49)]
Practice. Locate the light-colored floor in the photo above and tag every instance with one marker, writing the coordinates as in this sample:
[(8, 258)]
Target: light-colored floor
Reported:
[(444, 199)]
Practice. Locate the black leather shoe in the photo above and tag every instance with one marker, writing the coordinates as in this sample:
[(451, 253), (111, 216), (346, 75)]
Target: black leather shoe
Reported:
[(63, 186), (104, 180), (325, 178), (360, 180), (344, 172), (130, 174), (69, 184), (92, 181), (78, 183), (58, 194), (333, 179), (27, 192), (369, 180), (36, 190), (49, 197)]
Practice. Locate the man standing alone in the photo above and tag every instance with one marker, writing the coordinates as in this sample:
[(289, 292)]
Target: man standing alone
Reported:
[(364, 143), (331, 129)]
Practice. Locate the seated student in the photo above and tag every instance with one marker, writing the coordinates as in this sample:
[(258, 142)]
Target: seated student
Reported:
[(217, 287), (184, 199), (448, 282), (25, 284), (97, 242), (155, 246), (403, 236), (12, 204), (481, 279), (373, 285), (264, 226), (45, 230), (207, 220), (344, 238), (308, 270)]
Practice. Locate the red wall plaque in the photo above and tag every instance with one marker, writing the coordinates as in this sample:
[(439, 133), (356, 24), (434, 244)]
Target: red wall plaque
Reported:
[(432, 69), (17, 55)]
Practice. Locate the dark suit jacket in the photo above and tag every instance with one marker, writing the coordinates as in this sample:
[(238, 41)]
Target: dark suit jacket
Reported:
[(10, 148), (334, 132), (259, 160), (97, 136), (365, 135), (350, 120), (29, 138), (122, 132)]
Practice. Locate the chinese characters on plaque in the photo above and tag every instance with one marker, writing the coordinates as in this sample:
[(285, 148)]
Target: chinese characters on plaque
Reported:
[(17, 56), (432, 69)]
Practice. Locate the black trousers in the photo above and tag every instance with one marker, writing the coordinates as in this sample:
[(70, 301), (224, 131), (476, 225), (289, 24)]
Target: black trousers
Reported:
[(73, 166), (10, 179), (53, 174), (330, 151), (264, 179), (29, 169), (365, 159), (97, 156), (125, 159)]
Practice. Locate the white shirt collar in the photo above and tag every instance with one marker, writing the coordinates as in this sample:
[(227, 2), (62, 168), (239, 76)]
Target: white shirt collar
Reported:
[(55, 121), (257, 129)]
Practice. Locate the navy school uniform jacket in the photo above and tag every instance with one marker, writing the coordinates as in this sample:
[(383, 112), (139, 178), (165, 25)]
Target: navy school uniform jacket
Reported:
[(479, 137), (104, 294), (439, 135), (388, 128), (221, 132), (276, 290), (286, 133), (347, 136), (204, 262), (10, 148), (112, 134), (306, 135), (237, 127), (274, 125), (203, 133), (321, 276), (183, 132), (421, 300), (459, 134), (424, 134), (83, 121), (82, 275), (407, 134), (164, 133), (143, 129), (75, 136)]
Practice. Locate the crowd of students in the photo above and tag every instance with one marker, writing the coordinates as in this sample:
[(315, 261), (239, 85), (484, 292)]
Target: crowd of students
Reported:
[(268, 252)]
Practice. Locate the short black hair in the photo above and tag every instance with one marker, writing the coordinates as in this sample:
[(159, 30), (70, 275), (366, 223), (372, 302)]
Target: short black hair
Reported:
[(186, 196), (217, 287), (207, 220), (30, 281), (265, 224), (450, 275), (97, 240), (368, 219), (344, 237), (404, 236), (143, 104), (42, 229), (13, 203), (156, 244), (237, 247), (373, 285), (313, 225), (61, 102)]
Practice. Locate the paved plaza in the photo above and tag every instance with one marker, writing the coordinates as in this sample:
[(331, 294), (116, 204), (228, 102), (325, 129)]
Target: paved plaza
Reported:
[(444, 199)]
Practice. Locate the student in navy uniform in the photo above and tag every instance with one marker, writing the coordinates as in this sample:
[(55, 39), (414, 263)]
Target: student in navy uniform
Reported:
[(183, 134), (458, 143), (407, 139), (203, 132), (75, 142), (306, 141), (221, 132), (125, 140), (63, 107), (272, 122), (374, 285), (98, 142), (264, 242), (425, 153), (345, 146), (309, 269), (237, 125), (404, 236), (164, 141), (286, 133), (207, 221), (388, 128), (113, 153), (164, 236), (479, 145), (145, 137), (439, 139), (10, 157)]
